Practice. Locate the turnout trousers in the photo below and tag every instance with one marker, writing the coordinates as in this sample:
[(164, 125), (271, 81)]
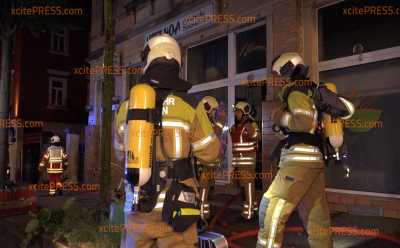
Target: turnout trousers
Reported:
[(295, 185)]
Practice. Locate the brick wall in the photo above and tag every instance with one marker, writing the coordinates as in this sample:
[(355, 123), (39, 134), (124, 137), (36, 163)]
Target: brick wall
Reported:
[(286, 27)]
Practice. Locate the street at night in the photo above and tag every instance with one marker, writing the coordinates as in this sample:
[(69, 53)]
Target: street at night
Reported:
[(199, 123)]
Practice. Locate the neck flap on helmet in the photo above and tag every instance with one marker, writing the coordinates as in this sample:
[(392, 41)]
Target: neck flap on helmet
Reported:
[(163, 74)]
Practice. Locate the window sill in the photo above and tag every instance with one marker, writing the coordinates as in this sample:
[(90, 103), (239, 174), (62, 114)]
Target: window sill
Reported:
[(354, 60), (52, 107), (58, 53)]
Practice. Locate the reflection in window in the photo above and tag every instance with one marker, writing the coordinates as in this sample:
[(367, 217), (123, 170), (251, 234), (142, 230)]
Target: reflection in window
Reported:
[(208, 62), (342, 35), (371, 134), (251, 49)]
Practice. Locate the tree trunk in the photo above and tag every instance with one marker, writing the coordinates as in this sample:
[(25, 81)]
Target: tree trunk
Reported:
[(4, 102), (108, 92)]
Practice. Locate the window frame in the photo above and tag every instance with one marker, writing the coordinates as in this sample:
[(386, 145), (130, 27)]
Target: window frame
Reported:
[(54, 34), (64, 91), (202, 43), (233, 78)]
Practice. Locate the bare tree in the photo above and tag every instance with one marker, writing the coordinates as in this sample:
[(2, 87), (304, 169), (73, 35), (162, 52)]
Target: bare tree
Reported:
[(108, 92), (8, 25)]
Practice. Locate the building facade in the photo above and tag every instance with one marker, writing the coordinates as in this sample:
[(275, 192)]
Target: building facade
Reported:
[(228, 47), (48, 97)]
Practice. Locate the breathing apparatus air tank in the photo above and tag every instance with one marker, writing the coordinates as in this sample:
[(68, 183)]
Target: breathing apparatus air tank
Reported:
[(138, 157), (333, 127)]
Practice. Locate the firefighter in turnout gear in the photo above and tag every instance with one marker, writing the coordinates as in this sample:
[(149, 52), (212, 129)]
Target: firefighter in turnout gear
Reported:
[(300, 180), (166, 198), (55, 161), (207, 170), (245, 136)]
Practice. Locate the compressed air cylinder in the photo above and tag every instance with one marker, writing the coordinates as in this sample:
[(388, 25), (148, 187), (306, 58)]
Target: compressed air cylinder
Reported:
[(140, 134), (333, 128)]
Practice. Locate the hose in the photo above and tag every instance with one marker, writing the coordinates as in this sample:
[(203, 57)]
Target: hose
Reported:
[(351, 231)]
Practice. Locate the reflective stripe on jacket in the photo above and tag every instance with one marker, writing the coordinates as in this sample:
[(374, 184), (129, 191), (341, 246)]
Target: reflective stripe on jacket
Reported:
[(300, 115), (187, 128), (54, 159), (244, 143)]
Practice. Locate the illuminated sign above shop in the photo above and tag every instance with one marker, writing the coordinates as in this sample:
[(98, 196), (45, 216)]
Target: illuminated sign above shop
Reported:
[(182, 25)]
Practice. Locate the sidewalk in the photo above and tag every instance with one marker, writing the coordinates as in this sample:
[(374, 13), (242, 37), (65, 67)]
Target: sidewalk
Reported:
[(232, 224)]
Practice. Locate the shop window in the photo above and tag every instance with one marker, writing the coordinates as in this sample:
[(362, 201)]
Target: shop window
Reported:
[(369, 155), (57, 92), (370, 152), (208, 62), (342, 35), (251, 49)]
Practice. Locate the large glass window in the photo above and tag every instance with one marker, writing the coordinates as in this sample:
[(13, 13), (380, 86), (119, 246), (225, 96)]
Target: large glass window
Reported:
[(371, 162), (208, 62), (208, 69), (371, 137), (251, 49), (343, 33)]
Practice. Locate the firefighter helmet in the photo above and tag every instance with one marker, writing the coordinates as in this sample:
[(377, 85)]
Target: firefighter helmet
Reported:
[(121, 127), (290, 65), (243, 106), (54, 139), (160, 46), (210, 103)]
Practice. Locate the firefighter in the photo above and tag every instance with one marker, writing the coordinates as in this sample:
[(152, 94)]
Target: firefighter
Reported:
[(166, 196), (245, 136), (207, 170), (55, 161), (300, 180)]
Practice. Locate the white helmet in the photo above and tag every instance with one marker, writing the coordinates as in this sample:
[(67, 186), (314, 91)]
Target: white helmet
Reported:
[(289, 65), (210, 103), (243, 106), (160, 46), (54, 139)]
